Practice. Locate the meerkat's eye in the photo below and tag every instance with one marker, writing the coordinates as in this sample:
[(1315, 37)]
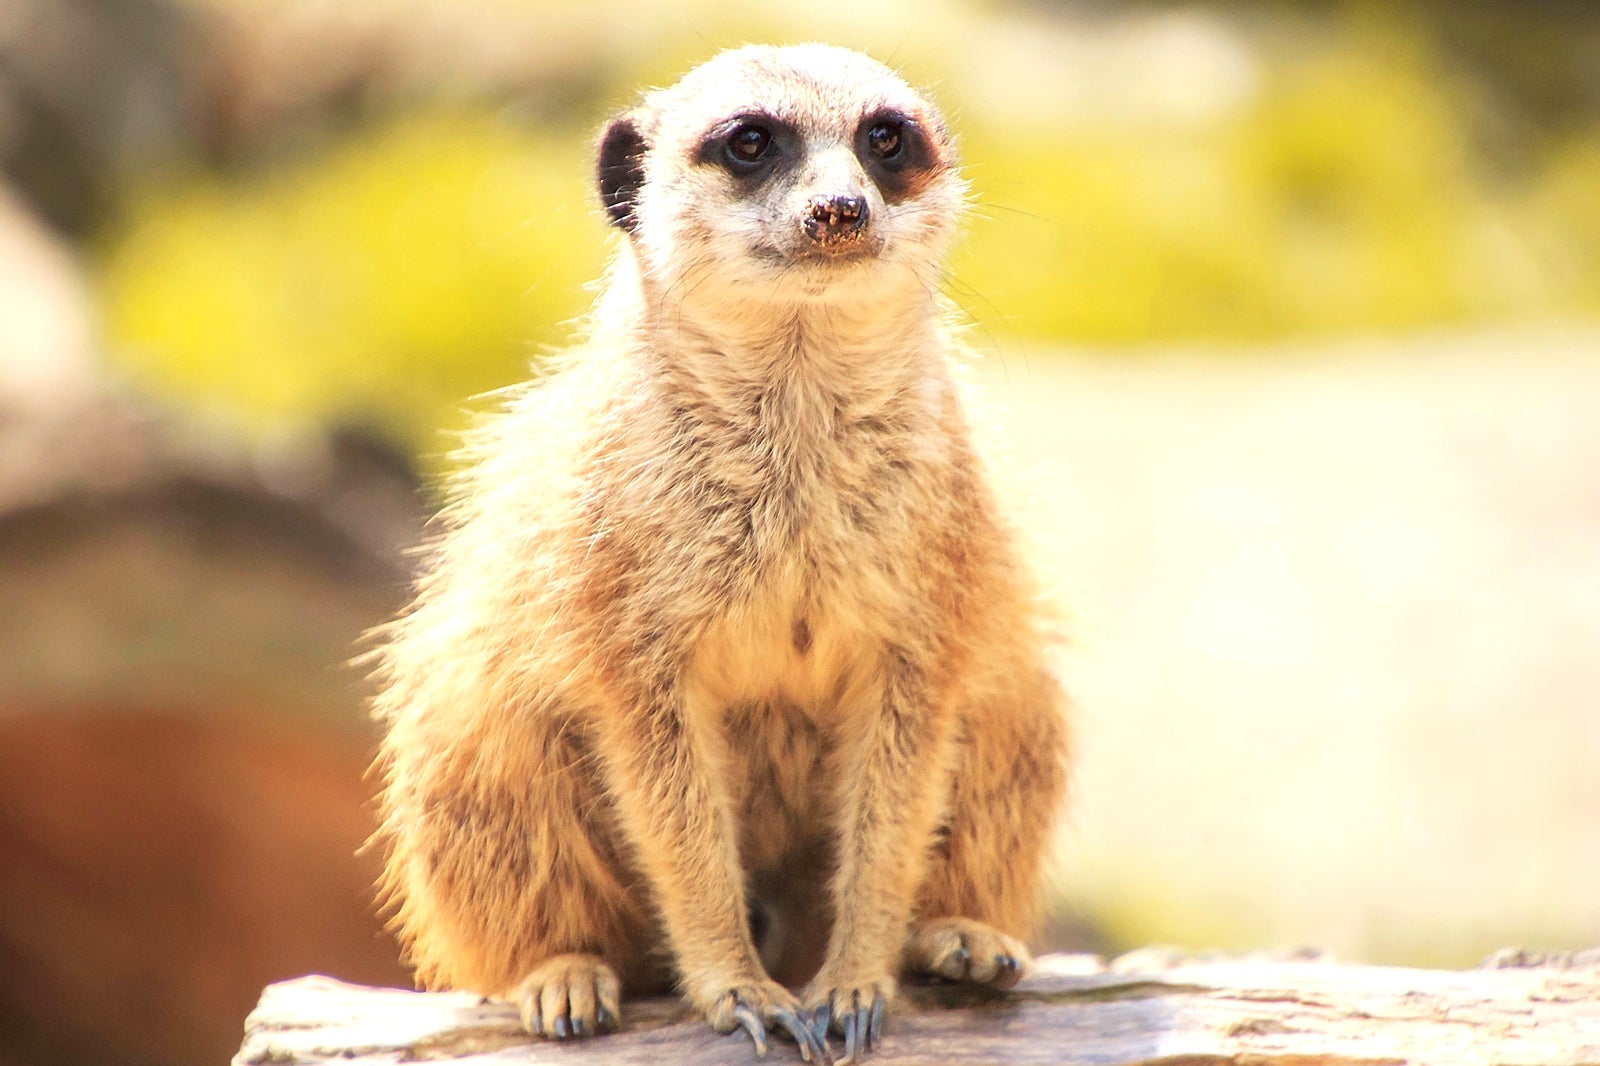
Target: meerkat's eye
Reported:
[(748, 147), (885, 139), (894, 149), (748, 144)]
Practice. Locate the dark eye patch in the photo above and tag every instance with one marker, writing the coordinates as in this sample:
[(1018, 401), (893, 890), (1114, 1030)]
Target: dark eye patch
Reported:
[(749, 147), (896, 152)]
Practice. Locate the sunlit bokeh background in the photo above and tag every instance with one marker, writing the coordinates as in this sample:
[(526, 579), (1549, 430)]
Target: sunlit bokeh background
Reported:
[(1289, 321)]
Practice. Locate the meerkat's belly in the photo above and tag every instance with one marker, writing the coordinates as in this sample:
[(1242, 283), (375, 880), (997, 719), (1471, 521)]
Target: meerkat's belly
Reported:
[(809, 653)]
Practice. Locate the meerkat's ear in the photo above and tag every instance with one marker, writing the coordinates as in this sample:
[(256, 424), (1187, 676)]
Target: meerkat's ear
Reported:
[(620, 169)]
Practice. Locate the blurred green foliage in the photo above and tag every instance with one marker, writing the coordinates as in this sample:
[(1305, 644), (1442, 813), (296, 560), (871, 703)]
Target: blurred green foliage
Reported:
[(1347, 197), (412, 266), (431, 256)]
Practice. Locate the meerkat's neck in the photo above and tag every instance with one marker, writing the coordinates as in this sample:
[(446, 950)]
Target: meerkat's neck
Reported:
[(871, 346)]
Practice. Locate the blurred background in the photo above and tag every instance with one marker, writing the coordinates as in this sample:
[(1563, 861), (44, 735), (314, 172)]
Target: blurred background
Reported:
[(1290, 316)]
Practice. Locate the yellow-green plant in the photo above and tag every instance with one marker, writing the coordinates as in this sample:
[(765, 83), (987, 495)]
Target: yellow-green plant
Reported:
[(410, 267), (1345, 195)]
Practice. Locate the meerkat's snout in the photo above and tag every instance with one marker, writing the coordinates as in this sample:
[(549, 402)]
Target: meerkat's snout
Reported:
[(836, 221)]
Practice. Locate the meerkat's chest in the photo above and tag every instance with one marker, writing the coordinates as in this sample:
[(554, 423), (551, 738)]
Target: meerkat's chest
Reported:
[(832, 502)]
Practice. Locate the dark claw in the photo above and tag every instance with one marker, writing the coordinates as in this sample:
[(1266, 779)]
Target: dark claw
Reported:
[(536, 1023), (824, 1052), (849, 1023), (752, 1025), (875, 1030), (577, 1026), (864, 1026), (606, 1020), (810, 1050), (1010, 972), (820, 1022), (964, 958), (562, 1030)]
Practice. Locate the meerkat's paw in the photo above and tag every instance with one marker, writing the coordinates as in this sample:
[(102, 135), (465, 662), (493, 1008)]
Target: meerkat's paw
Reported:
[(752, 1007), (570, 996), (960, 949), (851, 1009)]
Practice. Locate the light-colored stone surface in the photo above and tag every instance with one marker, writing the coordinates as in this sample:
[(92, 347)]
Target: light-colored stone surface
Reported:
[(1337, 623), (1073, 1011)]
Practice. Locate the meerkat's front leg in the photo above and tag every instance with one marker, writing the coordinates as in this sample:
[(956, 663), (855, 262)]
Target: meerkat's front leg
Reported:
[(894, 780), (657, 750), (981, 892)]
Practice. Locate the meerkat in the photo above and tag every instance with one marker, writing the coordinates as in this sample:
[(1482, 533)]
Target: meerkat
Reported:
[(723, 669)]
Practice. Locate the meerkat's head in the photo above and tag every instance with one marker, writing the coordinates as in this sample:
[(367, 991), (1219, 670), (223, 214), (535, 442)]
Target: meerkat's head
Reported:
[(784, 173)]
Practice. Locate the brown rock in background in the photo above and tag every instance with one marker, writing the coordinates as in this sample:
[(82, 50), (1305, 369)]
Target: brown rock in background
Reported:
[(181, 753)]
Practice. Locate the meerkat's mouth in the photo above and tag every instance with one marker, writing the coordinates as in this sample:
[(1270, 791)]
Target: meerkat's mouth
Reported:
[(817, 255), (845, 254)]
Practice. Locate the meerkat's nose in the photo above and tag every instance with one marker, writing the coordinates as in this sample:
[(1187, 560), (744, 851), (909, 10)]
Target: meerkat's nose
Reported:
[(835, 218)]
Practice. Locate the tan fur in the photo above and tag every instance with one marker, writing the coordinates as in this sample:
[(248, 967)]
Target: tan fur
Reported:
[(723, 608)]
